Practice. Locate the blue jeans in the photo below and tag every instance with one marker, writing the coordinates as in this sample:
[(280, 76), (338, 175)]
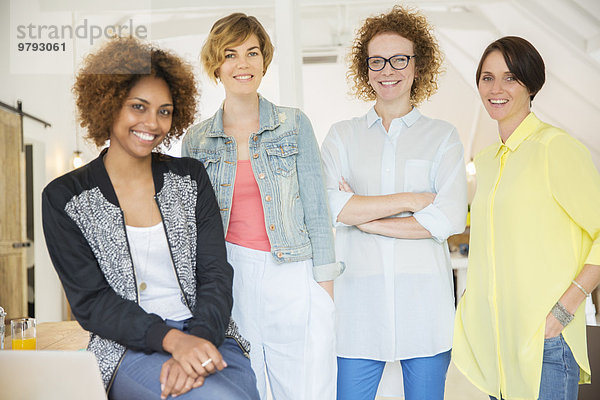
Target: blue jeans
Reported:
[(137, 376), (560, 371), (424, 377)]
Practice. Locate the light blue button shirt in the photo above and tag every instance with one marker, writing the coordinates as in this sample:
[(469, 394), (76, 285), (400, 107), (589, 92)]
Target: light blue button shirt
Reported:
[(402, 287)]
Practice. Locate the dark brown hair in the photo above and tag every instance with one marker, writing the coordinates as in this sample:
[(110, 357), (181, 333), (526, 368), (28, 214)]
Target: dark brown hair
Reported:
[(230, 31), (411, 25), (107, 76), (522, 60)]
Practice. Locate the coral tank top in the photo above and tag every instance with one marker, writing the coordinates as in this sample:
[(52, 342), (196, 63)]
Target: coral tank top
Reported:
[(247, 218)]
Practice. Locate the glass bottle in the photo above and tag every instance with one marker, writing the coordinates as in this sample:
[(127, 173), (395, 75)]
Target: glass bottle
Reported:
[(2, 315)]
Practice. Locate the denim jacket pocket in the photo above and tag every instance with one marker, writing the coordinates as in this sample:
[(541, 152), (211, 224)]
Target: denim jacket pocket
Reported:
[(211, 162), (282, 158)]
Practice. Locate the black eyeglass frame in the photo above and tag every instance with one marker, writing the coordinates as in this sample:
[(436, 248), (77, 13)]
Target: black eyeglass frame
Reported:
[(389, 60)]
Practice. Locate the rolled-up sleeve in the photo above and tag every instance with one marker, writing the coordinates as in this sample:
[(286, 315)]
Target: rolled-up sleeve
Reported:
[(333, 165), (327, 272), (448, 213)]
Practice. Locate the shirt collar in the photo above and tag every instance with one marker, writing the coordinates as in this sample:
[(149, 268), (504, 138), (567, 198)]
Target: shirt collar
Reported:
[(408, 119), (269, 119), (523, 131), (372, 117), (412, 117)]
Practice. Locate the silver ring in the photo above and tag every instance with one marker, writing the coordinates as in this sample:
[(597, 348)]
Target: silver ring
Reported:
[(205, 363)]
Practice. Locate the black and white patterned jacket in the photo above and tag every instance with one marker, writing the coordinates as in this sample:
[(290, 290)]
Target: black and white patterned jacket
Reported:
[(86, 238)]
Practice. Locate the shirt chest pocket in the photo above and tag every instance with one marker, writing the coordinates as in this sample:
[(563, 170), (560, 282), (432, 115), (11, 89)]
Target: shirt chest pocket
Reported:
[(417, 176), (282, 158)]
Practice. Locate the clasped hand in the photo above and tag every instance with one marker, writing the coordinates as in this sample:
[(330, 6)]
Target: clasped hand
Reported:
[(189, 364)]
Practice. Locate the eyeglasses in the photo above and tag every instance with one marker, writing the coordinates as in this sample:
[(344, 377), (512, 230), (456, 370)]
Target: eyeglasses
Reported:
[(399, 61)]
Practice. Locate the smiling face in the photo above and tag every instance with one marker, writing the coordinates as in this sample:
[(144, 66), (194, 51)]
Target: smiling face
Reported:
[(503, 96), (392, 85), (144, 119), (242, 69)]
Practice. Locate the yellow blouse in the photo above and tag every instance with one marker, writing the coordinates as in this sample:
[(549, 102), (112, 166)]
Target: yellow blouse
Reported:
[(535, 222)]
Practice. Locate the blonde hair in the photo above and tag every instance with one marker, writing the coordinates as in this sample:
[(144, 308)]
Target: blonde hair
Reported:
[(409, 24), (229, 31)]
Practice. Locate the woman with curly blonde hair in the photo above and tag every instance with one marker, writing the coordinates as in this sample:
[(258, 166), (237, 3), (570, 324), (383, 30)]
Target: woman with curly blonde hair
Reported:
[(397, 189), (136, 238)]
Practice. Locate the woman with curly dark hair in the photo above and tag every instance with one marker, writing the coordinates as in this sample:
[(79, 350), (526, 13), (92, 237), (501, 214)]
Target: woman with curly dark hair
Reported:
[(397, 189), (136, 238)]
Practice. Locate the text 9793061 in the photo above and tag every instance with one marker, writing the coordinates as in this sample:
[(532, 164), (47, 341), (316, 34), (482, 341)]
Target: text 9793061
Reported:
[(42, 46)]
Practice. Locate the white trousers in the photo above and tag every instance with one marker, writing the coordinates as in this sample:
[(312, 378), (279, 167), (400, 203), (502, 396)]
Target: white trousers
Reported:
[(289, 320)]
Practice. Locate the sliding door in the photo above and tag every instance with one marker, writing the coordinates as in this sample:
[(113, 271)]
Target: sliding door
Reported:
[(13, 277)]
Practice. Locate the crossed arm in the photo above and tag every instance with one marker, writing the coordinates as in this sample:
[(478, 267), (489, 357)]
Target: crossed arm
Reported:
[(437, 214), (369, 213)]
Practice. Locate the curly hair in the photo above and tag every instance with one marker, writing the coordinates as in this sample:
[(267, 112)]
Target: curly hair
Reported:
[(230, 31), (107, 76), (411, 25)]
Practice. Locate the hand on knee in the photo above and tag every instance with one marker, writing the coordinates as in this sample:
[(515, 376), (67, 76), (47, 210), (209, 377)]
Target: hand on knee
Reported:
[(197, 356), (174, 381)]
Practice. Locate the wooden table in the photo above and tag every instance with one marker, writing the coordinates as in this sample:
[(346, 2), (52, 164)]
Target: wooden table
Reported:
[(64, 335)]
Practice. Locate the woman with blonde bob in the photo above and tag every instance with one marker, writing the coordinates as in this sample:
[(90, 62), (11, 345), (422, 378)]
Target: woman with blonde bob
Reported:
[(264, 164), (397, 189), (136, 238)]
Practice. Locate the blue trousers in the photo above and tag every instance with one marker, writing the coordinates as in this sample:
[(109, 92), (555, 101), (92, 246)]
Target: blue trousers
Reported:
[(424, 377), (560, 371), (138, 376)]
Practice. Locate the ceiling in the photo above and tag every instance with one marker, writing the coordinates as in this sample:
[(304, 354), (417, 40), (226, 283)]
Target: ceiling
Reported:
[(566, 32)]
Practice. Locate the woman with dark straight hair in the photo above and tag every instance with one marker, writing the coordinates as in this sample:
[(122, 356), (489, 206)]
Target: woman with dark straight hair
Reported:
[(535, 243)]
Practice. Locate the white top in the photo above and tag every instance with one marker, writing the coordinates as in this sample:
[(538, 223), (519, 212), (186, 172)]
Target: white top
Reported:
[(155, 272), (396, 298)]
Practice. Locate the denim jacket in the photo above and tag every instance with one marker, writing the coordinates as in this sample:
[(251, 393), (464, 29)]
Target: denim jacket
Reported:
[(286, 161)]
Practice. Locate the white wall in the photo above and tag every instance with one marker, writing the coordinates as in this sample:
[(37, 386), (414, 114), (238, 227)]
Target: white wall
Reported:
[(47, 97), (326, 100)]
